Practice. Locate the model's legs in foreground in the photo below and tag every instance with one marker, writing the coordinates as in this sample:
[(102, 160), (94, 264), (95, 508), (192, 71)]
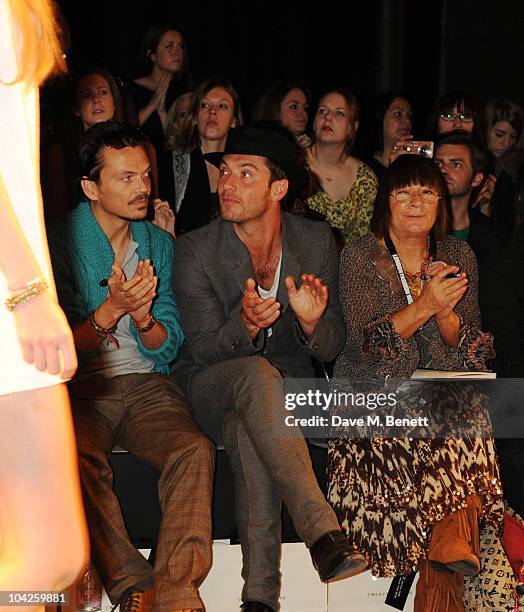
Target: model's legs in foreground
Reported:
[(43, 540)]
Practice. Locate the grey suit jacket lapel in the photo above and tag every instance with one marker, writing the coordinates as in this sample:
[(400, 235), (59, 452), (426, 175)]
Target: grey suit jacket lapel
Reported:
[(241, 264), (291, 265)]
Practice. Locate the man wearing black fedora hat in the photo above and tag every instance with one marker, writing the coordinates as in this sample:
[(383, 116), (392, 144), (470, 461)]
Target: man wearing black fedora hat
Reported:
[(247, 325)]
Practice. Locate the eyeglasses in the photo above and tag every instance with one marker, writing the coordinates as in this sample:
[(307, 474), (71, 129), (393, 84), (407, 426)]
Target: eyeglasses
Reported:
[(406, 197), (460, 116)]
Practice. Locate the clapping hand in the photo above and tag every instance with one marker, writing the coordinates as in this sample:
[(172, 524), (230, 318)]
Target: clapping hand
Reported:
[(145, 271), (257, 312), (309, 302), (440, 295), (159, 96), (131, 296)]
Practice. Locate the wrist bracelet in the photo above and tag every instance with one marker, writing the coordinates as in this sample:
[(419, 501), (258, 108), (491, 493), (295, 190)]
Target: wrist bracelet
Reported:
[(147, 327), (101, 331), (26, 293), (23, 286)]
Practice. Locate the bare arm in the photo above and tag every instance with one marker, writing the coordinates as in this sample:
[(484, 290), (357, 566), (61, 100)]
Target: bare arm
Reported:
[(41, 325), (17, 261), (144, 113), (157, 102)]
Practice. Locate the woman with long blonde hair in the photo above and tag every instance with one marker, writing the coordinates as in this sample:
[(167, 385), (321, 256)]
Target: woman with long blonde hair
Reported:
[(43, 542)]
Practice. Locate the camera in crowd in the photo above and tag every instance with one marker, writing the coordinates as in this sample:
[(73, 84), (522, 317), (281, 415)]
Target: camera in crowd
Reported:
[(424, 148)]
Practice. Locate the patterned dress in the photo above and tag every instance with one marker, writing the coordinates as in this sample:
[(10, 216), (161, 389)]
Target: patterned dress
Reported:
[(351, 214), (388, 492)]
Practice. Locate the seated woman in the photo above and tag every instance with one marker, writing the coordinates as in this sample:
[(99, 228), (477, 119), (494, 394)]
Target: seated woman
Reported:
[(504, 121), (391, 127), (407, 501), (288, 104), (95, 96), (348, 186), (504, 125), (164, 58), (187, 181), (178, 125)]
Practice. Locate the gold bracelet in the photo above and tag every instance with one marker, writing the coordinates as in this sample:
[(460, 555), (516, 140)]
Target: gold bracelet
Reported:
[(147, 327), (28, 292)]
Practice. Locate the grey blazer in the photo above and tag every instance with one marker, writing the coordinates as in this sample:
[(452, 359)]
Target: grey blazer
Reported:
[(211, 266)]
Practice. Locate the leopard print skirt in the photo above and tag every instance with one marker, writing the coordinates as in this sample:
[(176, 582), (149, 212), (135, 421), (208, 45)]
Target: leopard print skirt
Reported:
[(388, 492)]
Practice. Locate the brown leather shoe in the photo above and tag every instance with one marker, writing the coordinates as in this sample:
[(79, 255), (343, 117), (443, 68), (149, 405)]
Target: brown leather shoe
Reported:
[(137, 601), (334, 558)]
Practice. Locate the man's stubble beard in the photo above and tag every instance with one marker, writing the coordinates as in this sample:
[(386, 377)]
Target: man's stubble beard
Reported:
[(248, 213)]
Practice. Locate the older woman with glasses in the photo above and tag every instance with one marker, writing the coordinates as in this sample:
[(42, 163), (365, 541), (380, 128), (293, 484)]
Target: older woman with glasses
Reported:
[(414, 501)]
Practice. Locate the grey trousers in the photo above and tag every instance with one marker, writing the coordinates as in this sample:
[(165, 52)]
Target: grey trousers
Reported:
[(244, 399), (147, 415)]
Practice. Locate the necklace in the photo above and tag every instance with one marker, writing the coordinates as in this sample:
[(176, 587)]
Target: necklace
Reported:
[(329, 178), (431, 250), (416, 279)]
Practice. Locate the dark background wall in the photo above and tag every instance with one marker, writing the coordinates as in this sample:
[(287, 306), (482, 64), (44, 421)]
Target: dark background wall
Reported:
[(483, 48), (423, 46)]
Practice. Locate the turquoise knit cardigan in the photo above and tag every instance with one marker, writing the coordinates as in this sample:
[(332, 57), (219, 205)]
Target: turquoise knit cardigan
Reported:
[(82, 256)]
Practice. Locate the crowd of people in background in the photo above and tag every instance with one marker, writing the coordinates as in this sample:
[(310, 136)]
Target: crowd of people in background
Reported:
[(345, 148), (362, 168)]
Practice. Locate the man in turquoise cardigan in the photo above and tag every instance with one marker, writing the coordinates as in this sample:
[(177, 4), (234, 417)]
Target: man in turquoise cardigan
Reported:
[(113, 271)]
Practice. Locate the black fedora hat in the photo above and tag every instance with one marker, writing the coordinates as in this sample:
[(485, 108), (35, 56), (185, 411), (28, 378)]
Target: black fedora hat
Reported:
[(266, 142)]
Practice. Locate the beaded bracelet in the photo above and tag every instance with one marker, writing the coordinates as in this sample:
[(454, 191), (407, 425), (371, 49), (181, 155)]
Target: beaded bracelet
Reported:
[(147, 327), (101, 331), (26, 293)]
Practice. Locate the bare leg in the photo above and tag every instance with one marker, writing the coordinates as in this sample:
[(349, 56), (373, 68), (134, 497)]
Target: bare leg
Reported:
[(43, 540)]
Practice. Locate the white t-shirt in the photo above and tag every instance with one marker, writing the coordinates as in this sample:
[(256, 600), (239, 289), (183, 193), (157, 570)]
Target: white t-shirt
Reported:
[(112, 360), (274, 289)]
